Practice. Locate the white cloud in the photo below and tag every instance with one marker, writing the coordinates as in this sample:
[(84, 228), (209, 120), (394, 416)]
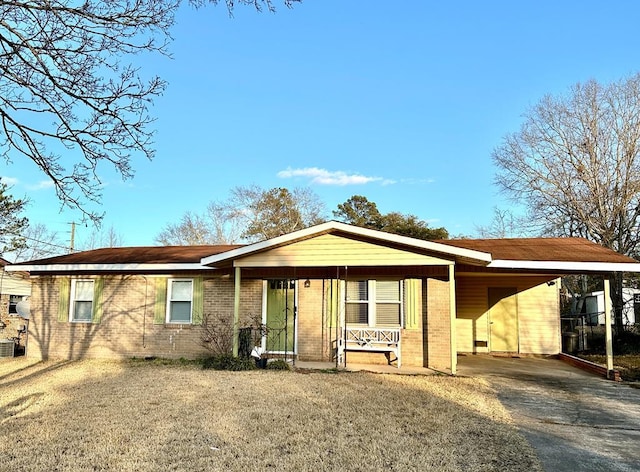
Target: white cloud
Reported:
[(10, 181), (418, 181), (326, 177), (42, 185)]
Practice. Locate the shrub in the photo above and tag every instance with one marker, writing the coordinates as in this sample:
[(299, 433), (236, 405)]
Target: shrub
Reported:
[(228, 362), (278, 364), (217, 334)]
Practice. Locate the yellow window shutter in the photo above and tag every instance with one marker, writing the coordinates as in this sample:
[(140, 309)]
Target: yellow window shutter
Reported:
[(64, 290), (198, 301), (98, 287), (160, 308), (412, 299), (333, 302)]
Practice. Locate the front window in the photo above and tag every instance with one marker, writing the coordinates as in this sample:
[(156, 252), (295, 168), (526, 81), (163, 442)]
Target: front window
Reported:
[(357, 303), (373, 302), (81, 306), (179, 300)]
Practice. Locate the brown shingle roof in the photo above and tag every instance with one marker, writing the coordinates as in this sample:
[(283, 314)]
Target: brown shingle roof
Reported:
[(520, 249), (138, 255), (541, 249)]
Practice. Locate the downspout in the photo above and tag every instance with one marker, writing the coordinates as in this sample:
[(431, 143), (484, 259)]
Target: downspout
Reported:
[(236, 311), (608, 335), (452, 318), (144, 313)]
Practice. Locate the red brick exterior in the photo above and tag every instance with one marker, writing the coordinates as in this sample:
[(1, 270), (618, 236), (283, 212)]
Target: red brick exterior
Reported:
[(127, 327)]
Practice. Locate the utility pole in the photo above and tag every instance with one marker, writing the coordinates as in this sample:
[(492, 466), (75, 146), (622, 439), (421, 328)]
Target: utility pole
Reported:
[(73, 236)]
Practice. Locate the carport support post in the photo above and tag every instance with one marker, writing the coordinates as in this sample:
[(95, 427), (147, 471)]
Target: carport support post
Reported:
[(452, 316), (236, 311), (608, 335)]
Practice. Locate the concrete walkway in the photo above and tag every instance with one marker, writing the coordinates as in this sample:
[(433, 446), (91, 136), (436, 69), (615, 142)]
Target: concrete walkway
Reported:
[(576, 421)]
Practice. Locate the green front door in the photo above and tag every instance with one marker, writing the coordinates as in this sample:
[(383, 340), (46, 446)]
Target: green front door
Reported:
[(280, 316)]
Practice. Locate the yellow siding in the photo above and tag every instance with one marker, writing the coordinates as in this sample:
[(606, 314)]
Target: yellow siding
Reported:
[(331, 250), (538, 313), (14, 284), (539, 320)]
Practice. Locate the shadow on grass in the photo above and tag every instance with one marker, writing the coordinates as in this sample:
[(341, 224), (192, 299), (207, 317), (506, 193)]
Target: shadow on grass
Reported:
[(26, 373), (169, 417)]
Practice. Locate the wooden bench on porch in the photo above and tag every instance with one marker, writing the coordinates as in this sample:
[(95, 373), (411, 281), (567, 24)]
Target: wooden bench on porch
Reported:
[(385, 340)]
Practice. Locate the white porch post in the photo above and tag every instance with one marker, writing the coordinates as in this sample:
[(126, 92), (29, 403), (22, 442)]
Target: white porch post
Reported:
[(607, 325), (452, 317), (236, 311)]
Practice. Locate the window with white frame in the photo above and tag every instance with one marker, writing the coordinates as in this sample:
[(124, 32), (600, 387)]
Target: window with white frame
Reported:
[(374, 302), (179, 300), (81, 306)]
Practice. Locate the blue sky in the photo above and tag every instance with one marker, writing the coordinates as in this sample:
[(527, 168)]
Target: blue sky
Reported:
[(399, 101)]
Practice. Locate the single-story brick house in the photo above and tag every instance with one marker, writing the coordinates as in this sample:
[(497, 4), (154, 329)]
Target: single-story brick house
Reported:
[(331, 292)]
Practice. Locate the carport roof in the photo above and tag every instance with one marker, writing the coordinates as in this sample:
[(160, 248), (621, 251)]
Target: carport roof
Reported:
[(542, 249), (549, 254)]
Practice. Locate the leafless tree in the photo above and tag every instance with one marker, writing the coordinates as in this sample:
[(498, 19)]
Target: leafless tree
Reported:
[(249, 214), (224, 229), (69, 101), (40, 242), (192, 230), (99, 238), (575, 166), (504, 224)]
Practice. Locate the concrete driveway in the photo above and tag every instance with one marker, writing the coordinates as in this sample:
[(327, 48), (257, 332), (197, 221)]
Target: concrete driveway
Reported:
[(576, 421)]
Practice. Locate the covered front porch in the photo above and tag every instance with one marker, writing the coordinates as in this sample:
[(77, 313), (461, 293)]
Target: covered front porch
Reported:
[(349, 295)]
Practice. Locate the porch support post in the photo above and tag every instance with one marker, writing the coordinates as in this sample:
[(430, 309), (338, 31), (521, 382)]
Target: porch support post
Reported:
[(452, 317), (236, 311), (608, 335)]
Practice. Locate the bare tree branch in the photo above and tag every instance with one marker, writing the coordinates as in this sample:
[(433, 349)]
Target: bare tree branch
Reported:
[(68, 100), (575, 164)]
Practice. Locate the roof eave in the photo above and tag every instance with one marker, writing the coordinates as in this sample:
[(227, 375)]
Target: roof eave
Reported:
[(107, 267), (582, 267)]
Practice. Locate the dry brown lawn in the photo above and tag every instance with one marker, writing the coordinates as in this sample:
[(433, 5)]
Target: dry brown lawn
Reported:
[(627, 364), (136, 416)]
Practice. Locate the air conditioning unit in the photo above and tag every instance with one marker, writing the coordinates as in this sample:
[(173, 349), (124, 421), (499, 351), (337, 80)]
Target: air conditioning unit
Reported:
[(7, 347)]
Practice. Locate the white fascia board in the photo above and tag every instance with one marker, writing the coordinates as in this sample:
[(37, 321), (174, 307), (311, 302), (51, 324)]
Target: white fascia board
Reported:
[(355, 230), (107, 267), (567, 266)]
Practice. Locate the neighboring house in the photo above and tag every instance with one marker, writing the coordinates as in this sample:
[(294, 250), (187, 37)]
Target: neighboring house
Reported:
[(332, 292), (14, 288), (593, 307)]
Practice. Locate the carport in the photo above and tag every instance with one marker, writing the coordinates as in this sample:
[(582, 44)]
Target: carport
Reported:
[(547, 258)]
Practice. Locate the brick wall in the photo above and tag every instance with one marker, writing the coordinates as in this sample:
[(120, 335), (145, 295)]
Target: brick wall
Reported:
[(437, 329), (127, 326), (312, 323)]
